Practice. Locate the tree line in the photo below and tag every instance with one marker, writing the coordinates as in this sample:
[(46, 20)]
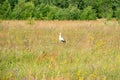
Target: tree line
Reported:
[(59, 9)]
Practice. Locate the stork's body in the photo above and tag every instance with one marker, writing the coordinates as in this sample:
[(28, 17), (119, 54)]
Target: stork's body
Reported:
[(61, 39)]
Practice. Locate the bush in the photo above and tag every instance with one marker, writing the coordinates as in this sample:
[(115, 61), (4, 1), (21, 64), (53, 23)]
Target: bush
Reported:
[(5, 10), (28, 10), (105, 13), (109, 14), (73, 13), (42, 11), (23, 10), (61, 14), (88, 14), (52, 12), (117, 13), (37, 12)]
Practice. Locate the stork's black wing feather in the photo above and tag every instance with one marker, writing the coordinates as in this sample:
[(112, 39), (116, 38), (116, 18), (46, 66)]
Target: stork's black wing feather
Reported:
[(63, 41)]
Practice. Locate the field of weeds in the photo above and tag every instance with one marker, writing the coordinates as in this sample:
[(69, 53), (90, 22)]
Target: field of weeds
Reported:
[(30, 50)]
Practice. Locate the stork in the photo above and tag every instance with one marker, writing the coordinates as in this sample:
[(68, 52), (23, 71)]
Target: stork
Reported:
[(61, 39)]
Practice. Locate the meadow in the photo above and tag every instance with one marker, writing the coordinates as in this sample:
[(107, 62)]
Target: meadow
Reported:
[(30, 50)]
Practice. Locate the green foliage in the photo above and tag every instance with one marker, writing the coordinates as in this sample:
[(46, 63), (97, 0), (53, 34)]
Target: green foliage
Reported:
[(23, 10), (58, 9), (73, 13), (38, 12), (12, 3), (18, 9), (1, 1), (0, 12), (28, 10), (61, 3), (104, 9), (52, 13), (88, 14), (118, 13), (45, 12), (61, 14), (80, 4), (5, 10), (109, 15)]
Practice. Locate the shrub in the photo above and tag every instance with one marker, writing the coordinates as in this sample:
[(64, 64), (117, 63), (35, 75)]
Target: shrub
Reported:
[(73, 13), (52, 12), (109, 14), (5, 10), (117, 13), (37, 12), (23, 10), (105, 13), (88, 14), (61, 14), (41, 11), (28, 10)]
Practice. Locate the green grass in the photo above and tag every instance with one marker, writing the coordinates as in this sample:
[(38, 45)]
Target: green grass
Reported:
[(30, 53)]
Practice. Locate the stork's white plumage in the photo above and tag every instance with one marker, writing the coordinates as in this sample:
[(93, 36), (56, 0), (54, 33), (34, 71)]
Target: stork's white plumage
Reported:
[(61, 39)]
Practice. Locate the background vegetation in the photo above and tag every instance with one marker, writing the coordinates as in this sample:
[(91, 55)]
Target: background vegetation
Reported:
[(59, 9)]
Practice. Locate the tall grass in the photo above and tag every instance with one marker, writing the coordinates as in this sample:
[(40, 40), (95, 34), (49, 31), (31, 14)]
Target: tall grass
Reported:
[(33, 52)]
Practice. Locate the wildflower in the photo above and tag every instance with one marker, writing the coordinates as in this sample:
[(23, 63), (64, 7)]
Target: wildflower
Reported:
[(99, 43), (51, 59), (49, 66), (81, 78), (79, 73), (91, 38), (94, 76), (75, 64), (10, 75), (65, 61), (105, 67)]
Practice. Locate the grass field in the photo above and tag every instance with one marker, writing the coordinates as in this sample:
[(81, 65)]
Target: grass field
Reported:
[(30, 50)]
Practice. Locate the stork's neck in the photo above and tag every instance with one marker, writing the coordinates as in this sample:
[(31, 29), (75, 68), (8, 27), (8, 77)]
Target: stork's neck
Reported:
[(60, 35)]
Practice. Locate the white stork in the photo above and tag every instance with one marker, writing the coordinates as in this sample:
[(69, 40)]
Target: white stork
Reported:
[(61, 39)]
